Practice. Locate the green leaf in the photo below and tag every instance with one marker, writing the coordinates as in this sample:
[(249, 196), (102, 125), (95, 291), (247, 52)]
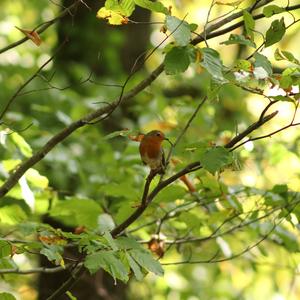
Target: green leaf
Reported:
[(70, 295), (177, 60), (38, 180), (53, 253), (280, 189), (215, 159), (127, 243), (171, 193), (285, 55), (181, 30), (153, 6), (12, 214), (271, 10), (123, 189), (213, 64), (124, 132), (262, 61), (109, 262), (239, 39), (193, 26), (249, 24), (135, 267), (285, 82), (283, 98), (243, 64), (5, 249), (287, 238), (116, 11), (124, 7), (275, 32), (77, 212), (145, 260), (105, 223), (21, 144), (7, 296), (110, 241)]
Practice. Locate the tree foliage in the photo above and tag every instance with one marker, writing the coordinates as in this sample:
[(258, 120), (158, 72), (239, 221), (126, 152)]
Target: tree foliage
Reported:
[(228, 203)]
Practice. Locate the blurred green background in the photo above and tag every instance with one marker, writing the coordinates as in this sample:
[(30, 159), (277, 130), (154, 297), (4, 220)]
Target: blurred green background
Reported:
[(88, 165)]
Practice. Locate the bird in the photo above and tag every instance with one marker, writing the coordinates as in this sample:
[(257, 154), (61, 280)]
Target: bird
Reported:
[(151, 151)]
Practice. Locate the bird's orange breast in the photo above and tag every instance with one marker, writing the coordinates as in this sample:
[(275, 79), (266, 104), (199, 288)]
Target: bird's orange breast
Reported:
[(150, 147)]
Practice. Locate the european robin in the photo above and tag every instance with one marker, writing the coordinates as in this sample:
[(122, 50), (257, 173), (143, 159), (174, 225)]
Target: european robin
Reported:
[(151, 151)]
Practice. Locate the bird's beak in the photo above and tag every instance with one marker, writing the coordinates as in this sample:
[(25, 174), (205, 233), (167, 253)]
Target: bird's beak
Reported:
[(166, 139)]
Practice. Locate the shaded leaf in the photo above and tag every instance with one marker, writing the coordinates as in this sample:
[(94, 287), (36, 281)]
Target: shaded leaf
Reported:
[(239, 39), (262, 61), (249, 24), (275, 32), (213, 64), (177, 60), (135, 267), (109, 262), (5, 249), (271, 10), (145, 260)]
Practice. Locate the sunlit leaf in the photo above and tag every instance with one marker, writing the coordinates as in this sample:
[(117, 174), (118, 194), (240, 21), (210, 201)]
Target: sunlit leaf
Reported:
[(36, 179), (215, 159), (21, 144), (171, 193), (181, 30), (153, 6), (12, 214), (76, 211), (285, 55), (7, 296)]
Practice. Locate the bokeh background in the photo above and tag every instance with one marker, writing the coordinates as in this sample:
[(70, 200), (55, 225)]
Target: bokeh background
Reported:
[(108, 170)]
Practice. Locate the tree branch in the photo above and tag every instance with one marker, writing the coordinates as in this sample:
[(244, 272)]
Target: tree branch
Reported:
[(35, 270), (43, 26)]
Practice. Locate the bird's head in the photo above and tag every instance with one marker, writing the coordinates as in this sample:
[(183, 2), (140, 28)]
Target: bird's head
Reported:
[(156, 136)]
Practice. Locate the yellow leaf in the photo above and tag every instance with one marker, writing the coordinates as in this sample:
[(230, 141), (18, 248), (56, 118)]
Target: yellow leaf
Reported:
[(113, 18)]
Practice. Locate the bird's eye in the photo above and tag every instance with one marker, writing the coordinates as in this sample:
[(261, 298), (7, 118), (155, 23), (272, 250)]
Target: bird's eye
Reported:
[(158, 134)]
